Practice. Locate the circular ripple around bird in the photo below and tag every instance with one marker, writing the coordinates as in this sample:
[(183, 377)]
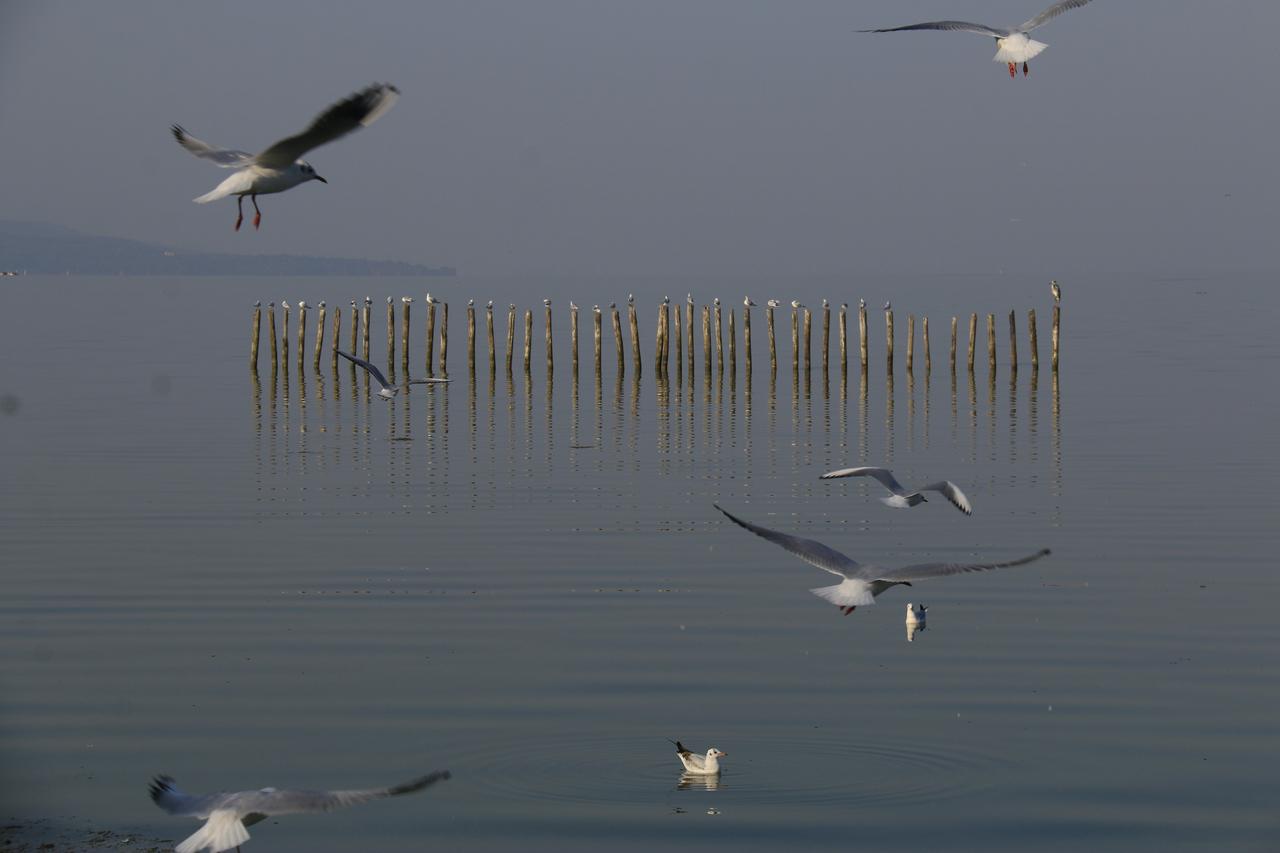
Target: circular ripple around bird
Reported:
[(791, 769)]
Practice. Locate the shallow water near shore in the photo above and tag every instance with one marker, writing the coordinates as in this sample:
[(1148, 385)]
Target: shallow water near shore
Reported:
[(284, 581)]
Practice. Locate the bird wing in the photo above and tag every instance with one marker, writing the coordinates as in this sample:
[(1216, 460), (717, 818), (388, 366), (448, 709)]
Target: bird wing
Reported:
[(227, 158), (1049, 14), (812, 552), (269, 802), (884, 475), (934, 570), (962, 26), (372, 368), (359, 110), (166, 795), (951, 492)]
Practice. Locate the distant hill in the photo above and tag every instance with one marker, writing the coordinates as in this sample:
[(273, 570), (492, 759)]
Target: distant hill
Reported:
[(37, 247)]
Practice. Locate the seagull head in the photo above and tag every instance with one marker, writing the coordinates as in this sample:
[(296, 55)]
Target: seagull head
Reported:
[(715, 753), (309, 173)]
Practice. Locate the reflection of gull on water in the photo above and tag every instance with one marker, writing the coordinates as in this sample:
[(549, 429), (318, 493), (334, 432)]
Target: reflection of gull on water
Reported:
[(388, 391), (1013, 43), (916, 621), (902, 498), (699, 765), (863, 582), (702, 781), (228, 813)]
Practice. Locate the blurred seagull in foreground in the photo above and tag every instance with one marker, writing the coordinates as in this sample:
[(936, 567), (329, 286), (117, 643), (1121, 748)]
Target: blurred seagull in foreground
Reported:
[(388, 391), (279, 167), (1013, 43), (863, 582), (901, 497), (226, 814), (699, 765)]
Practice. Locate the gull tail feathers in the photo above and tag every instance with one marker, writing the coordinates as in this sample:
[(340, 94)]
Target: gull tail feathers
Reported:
[(223, 831), (1019, 50), (845, 594)]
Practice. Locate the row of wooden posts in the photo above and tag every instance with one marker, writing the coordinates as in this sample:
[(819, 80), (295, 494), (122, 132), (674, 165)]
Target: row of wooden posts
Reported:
[(361, 320)]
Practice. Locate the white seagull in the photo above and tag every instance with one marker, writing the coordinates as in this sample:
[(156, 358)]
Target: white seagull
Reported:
[(1013, 43), (774, 303), (863, 582), (226, 814), (279, 167), (902, 498), (1056, 290), (748, 302), (388, 391), (699, 765), (573, 306)]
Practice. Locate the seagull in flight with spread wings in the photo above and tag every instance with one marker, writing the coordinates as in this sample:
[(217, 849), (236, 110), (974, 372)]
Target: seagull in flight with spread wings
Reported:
[(227, 813), (387, 391), (280, 167), (1013, 43), (903, 498), (862, 582)]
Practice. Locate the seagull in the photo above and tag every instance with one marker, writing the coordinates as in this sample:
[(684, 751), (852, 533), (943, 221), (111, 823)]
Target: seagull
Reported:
[(321, 303), (717, 301), (1013, 43), (862, 303), (863, 581), (631, 299), (431, 300), (388, 390), (595, 308), (697, 764), (796, 303), (825, 304), (689, 298), (279, 167), (613, 306), (406, 299), (666, 300), (1056, 289), (748, 302), (888, 306), (774, 303), (471, 303), (258, 304), (388, 300), (490, 305), (573, 306), (546, 302), (901, 498), (227, 813)]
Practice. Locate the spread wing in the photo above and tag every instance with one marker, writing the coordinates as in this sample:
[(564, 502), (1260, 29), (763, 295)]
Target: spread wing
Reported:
[(227, 158), (165, 794), (951, 492), (812, 552), (884, 475), (293, 802), (1049, 14), (963, 26), (934, 570), (372, 368), (360, 110)]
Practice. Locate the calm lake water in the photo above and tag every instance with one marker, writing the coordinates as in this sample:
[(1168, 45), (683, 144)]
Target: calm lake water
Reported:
[(245, 583)]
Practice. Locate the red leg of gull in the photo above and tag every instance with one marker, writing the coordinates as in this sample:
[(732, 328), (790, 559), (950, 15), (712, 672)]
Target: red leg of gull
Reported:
[(848, 610), (239, 211), (257, 214), (1025, 69), (1013, 70)]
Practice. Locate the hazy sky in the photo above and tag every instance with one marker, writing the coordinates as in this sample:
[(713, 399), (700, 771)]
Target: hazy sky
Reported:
[(691, 136)]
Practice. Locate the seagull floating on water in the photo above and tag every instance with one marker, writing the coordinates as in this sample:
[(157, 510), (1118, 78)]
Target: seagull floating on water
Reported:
[(699, 765), (1013, 43), (388, 391), (916, 614), (226, 814), (863, 582), (279, 167), (902, 498)]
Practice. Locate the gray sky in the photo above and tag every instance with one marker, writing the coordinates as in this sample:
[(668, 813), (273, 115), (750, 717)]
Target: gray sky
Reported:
[(690, 136)]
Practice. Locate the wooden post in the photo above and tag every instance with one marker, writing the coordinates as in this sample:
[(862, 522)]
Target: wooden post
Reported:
[(657, 343), (808, 330), (679, 330), (991, 343), (795, 335), (271, 332), (954, 323), (1053, 339), (573, 337), (284, 338), (550, 360), (706, 341), (431, 334), (366, 316), (888, 340), (355, 328), (666, 334), (826, 334), (493, 345), (733, 347), (863, 344), (528, 339), (257, 333), (405, 326), (773, 342), (617, 337), (688, 331), (444, 339), (471, 336), (911, 342), (746, 337), (719, 339), (634, 322), (511, 334), (315, 361), (973, 337), (597, 335), (844, 338), (391, 334), (1035, 345), (1013, 343), (337, 337), (302, 333), (928, 355)]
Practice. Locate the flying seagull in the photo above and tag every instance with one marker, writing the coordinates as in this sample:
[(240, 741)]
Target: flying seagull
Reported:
[(226, 814), (1013, 44), (902, 498), (279, 167), (388, 391), (699, 765), (862, 582)]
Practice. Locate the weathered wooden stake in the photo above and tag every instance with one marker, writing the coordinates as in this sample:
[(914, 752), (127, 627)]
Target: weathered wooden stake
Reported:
[(511, 334), (366, 316), (634, 322), (746, 338), (271, 332), (795, 336), (471, 336), (928, 355), (991, 343), (679, 334), (391, 334), (911, 342), (337, 337), (863, 343), (551, 366), (355, 328), (888, 340), (302, 334), (688, 331), (826, 334), (1035, 345), (973, 339), (431, 335), (405, 326), (733, 347), (719, 339), (1013, 343), (444, 339), (573, 337), (954, 323), (597, 335), (773, 342), (706, 341), (808, 331), (844, 338), (1053, 340), (257, 333), (657, 342), (315, 360), (528, 339), (617, 338), (493, 344), (284, 338)]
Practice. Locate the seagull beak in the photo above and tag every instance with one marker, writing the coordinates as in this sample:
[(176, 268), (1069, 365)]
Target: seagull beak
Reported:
[(321, 180)]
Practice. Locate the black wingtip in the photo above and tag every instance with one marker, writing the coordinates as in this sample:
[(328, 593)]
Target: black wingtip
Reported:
[(1044, 552), (160, 785), (177, 131)]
